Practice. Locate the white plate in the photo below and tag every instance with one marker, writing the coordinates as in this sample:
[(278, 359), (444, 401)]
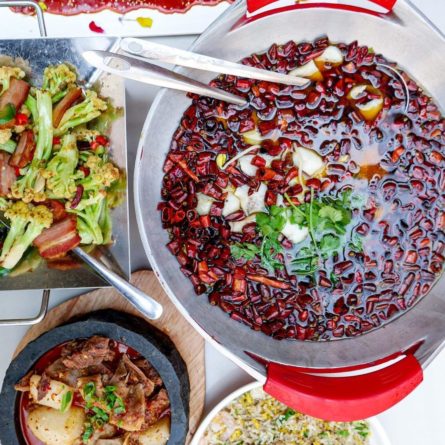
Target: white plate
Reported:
[(194, 21), (378, 436)]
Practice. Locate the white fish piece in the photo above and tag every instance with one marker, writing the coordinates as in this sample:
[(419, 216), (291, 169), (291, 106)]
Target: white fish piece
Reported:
[(246, 166), (332, 55), (308, 160), (309, 70), (252, 203), (294, 233), (231, 204), (356, 91), (204, 204), (237, 226)]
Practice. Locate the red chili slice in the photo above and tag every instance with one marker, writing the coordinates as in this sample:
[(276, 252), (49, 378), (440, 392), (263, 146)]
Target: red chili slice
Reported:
[(102, 140), (59, 239), (21, 119), (78, 197), (269, 281), (24, 151)]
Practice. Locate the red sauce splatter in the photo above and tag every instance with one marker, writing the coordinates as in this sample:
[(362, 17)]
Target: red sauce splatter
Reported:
[(95, 28), (73, 7), (25, 403)]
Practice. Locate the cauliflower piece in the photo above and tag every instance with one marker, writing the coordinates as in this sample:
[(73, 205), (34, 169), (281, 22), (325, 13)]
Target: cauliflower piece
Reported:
[(5, 135), (6, 73)]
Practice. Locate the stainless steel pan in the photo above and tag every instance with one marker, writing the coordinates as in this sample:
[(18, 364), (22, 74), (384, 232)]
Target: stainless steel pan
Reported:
[(34, 55), (403, 346)]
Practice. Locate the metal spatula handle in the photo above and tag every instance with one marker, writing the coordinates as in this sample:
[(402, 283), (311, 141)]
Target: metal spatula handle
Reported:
[(164, 53), (141, 301), (141, 71)]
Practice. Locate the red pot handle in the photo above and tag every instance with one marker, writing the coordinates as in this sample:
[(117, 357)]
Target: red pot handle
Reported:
[(344, 399), (254, 5)]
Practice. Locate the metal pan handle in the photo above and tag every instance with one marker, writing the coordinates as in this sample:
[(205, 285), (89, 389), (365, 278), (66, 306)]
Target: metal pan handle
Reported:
[(31, 4), (33, 320), (255, 5), (346, 398)]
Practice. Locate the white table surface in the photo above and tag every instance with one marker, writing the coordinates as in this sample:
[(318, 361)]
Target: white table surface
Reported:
[(417, 420)]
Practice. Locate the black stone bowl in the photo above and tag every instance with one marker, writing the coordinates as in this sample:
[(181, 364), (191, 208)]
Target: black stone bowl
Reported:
[(133, 331)]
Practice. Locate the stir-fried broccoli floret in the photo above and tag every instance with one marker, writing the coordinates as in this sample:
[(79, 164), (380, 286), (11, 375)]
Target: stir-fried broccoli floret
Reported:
[(58, 79), (102, 174), (45, 125), (60, 172), (90, 108), (31, 186), (93, 223), (26, 224), (6, 73)]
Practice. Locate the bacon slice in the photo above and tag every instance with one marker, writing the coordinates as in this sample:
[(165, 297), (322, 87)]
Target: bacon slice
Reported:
[(16, 94), (60, 109), (7, 174), (59, 239), (65, 263), (24, 151), (57, 209)]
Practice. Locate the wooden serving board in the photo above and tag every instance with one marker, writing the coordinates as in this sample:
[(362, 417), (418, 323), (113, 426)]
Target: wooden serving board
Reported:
[(188, 342)]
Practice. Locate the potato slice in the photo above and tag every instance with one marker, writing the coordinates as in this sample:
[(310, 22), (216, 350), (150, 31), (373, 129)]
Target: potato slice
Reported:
[(52, 427), (157, 434), (53, 398)]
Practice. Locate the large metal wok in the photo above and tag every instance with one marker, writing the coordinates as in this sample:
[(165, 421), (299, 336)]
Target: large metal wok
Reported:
[(301, 373)]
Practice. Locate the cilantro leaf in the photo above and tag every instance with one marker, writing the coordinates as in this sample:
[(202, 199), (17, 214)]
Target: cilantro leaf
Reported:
[(329, 244), (246, 251), (335, 215)]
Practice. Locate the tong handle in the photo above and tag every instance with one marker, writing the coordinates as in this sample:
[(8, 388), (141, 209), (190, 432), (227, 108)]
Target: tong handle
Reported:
[(142, 71), (30, 4), (140, 300)]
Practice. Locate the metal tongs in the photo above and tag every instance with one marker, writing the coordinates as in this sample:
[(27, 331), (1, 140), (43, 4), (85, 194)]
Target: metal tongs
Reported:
[(136, 68)]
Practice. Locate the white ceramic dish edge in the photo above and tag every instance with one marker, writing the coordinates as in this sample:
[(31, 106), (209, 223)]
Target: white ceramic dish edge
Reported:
[(378, 436)]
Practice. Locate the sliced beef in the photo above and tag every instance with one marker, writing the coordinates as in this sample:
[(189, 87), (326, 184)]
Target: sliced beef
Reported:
[(92, 352), (149, 371), (128, 373), (58, 371), (156, 408), (135, 406), (43, 387)]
